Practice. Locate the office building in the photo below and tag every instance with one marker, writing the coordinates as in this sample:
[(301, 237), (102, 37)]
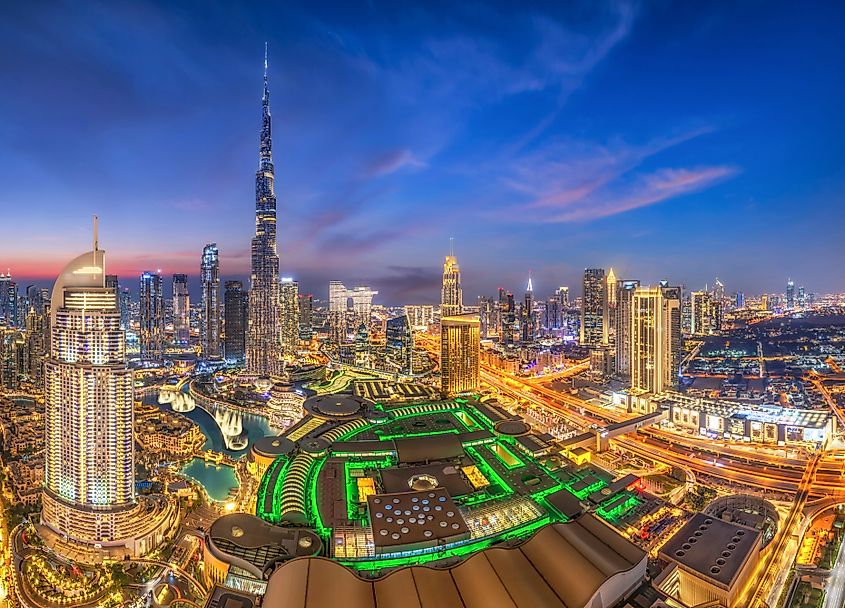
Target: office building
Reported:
[(451, 294), (89, 480), (655, 338), (262, 348), (593, 308), (610, 308), (460, 343), (181, 310), (210, 343), (790, 294), (289, 316), (235, 311), (151, 316), (705, 314), (399, 345)]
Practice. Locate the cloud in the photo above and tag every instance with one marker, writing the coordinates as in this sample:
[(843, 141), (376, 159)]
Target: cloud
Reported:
[(392, 161), (648, 189), (567, 181)]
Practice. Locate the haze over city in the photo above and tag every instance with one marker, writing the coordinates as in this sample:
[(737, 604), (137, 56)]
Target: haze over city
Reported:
[(647, 137)]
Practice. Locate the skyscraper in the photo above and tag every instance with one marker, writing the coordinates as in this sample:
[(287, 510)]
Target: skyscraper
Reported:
[(151, 317), (399, 344), (8, 300), (362, 304), (528, 319), (262, 349), (655, 337), (451, 294), (700, 313), (460, 345), (609, 321), (338, 305), (593, 307), (210, 317), (89, 479), (181, 310), (790, 294), (624, 318), (488, 311), (306, 315), (235, 318), (289, 315)]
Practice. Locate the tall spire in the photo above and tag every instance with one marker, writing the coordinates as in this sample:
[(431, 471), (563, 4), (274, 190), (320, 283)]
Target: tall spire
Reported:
[(451, 246), (266, 146), (530, 286)]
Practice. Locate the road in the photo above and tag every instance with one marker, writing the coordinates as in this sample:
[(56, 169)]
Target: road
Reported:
[(834, 592)]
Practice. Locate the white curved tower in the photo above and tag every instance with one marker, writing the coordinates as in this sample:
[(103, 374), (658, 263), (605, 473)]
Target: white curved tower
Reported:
[(89, 481)]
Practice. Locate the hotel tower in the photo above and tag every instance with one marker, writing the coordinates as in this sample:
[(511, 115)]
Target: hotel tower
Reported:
[(89, 480)]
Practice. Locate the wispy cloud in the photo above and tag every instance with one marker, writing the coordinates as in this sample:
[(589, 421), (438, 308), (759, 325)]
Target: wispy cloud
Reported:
[(567, 181), (393, 161)]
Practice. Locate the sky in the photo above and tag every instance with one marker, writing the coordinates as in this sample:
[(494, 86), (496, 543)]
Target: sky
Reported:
[(668, 140)]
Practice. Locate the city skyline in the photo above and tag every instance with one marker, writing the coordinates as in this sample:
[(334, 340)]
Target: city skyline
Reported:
[(581, 146)]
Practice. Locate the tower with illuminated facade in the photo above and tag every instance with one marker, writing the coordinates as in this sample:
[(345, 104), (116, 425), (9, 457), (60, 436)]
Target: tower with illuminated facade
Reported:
[(460, 346), (89, 478), (593, 308), (181, 310), (451, 295), (289, 316), (262, 347), (151, 316), (210, 335), (655, 337)]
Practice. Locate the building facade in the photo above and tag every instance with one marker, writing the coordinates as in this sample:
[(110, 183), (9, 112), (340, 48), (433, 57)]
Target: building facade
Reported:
[(655, 338), (210, 342), (181, 310), (151, 316), (262, 344), (89, 479), (593, 305), (289, 316), (451, 293), (235, 310), (460, 345)]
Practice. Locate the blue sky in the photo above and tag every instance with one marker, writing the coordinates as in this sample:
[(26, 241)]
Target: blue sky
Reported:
[(667, 140)]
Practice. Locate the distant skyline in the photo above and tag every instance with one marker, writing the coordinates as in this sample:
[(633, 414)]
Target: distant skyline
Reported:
[(665, 140)]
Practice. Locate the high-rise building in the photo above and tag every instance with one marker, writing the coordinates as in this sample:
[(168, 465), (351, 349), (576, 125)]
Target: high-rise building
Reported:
[(124, 300), (235, 305), (210, 343), (451, 294), (181, 310), (624, 317), (338, 307), (529, 321), (306, 316), (399, 344), (705, 314), (507, 316), (8, 300), (151, 316), (262, 348), (655, 337), (460, 345), (790, 294), (488, 311), (362, 304), (421, 316), (609, 321), (802, 298), (593, 306), (289, 315), (89, 479)]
